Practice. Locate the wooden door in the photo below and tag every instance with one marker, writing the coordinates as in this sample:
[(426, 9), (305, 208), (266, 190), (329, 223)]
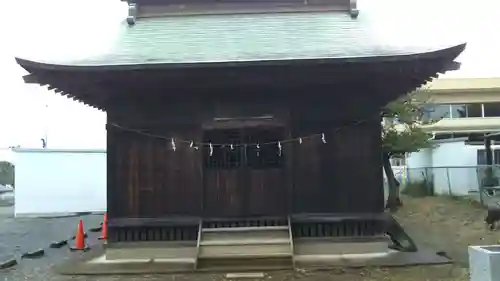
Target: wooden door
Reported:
[(243, 179), (224, 174), (266, 171)]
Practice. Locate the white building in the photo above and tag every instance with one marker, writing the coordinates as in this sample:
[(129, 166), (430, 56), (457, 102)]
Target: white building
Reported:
[(53, 182), (468, 108), (451, 166)]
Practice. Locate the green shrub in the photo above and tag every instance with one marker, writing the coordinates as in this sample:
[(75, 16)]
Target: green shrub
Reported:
[(6, 173)]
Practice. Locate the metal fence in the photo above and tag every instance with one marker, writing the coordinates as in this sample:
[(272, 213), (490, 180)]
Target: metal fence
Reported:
[(479, 182)]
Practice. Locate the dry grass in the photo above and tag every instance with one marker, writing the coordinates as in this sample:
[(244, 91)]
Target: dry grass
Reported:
[(416, 273), (447, 223), (439, 223)]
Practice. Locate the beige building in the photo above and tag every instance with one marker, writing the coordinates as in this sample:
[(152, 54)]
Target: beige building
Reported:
[(467, 107)]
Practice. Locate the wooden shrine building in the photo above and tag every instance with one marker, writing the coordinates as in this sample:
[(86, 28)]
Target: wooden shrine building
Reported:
[(243, 115)]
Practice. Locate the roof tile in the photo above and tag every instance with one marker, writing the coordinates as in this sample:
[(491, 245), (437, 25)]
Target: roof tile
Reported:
[(243, 37)]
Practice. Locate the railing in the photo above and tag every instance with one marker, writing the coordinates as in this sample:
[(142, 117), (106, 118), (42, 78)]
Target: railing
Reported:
[(479, 182)]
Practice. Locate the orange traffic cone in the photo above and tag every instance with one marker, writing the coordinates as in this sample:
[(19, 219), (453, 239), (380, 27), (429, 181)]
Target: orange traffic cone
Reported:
[(104, 233), (79, 239)]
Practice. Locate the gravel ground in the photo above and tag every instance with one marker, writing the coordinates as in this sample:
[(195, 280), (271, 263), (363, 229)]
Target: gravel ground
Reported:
[(443, 224), (447, 223), (418, 273), (20, 235)]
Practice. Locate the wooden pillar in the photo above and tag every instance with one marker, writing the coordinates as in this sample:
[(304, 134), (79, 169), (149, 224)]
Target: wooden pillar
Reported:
[(489, 152), (110, 180)]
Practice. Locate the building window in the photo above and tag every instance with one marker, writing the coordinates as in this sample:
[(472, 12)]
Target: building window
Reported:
[(440, 111), (458, 111), (398, 161), (474, 110), (443, 136), (471, 137), (435, 112), (460, 135), (481, 157), (475, 139), (492, 109)]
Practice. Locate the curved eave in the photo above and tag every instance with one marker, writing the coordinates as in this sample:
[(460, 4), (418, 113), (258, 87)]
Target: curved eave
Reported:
[(81, 82), (32, 65), (77, 99)]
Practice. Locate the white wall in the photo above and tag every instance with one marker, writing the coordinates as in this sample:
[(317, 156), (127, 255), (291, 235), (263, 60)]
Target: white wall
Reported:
[(460, 176), (452, 166), (420, 159), (58, 182), (417, 165)]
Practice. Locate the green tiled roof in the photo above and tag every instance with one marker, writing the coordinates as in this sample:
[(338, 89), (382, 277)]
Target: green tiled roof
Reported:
[(242, 37)]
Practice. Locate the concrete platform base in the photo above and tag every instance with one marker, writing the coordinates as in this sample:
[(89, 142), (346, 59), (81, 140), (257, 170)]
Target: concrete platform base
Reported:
[(152, 250), (386, 259), (340, 246), (95, 262)]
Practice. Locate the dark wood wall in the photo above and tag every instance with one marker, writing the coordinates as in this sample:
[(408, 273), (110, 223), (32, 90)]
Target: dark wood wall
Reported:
[(342, 176), (146, 178)]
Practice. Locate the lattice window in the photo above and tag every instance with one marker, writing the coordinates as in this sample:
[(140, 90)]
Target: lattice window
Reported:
[(244, 153), (224, 157), (267, 155)]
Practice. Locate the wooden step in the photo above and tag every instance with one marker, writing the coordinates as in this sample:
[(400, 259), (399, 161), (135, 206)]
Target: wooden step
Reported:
[(231, 241), (245, 248), (247, 234), (245, 251), (244, 229), (245, 222), (245, 242)]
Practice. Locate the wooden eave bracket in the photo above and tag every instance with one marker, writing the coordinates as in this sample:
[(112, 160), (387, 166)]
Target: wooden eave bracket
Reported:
[(454, 65), (31, 79), (132, 13), (353, 8)]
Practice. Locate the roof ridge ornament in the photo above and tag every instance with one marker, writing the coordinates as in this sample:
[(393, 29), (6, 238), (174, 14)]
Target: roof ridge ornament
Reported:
[(132, 13), (353, 9)]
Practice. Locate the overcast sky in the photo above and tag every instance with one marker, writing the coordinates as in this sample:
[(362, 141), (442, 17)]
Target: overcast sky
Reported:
[(56, 28)]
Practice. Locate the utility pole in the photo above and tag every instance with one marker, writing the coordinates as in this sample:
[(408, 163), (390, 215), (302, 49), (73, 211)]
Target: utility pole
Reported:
[(45, 138)]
